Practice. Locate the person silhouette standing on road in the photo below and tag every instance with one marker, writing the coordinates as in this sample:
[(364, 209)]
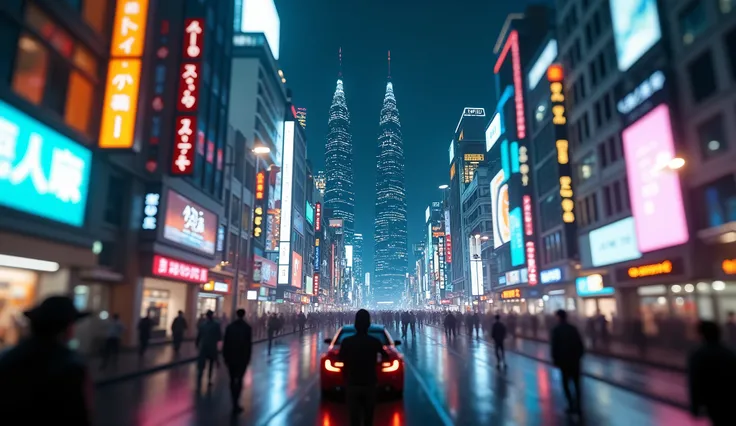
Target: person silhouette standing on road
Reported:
[(273, 326), (498, 334), (208, 336), (178, 328), (237, 347), (145, 325), (567, 352), (360, 354)]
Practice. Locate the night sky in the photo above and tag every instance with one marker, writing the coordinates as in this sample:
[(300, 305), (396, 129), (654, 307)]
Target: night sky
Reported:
[(441, 61)]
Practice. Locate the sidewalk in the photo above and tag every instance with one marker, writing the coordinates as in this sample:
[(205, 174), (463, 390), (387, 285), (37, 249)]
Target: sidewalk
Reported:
[(157, 357)]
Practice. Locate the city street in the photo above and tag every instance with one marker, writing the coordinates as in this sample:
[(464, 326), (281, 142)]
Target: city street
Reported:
[(453, 382)]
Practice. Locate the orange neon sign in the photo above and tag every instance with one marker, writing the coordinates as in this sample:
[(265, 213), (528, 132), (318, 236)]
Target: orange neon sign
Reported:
[(729, 266), (663, 268), (555, 73), (119, 111), (511, 294)]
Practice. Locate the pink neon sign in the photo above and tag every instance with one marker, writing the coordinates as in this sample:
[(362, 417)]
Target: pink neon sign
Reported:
[(654, 189), (512, 44)]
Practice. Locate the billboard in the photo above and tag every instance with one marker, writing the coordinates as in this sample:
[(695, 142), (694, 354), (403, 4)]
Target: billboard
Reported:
[(635, 29), (592, 285), (349, 255), (178, 270), (287, 183), (264, 271), (261, 16), (654, 189), (296, 270), (189, 225), (517, 237), (310, 213), (41, 171), (500, 210), (494, 131), (539, 69), (614, 243)]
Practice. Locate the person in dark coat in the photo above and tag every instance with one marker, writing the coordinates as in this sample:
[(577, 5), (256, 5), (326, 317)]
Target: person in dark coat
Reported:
[(208, 336), (273, 327), (178, 328), (42, 381), (476, 322), (145, 325), (236, 351), (711, 377), (359, 353), (302, 320), (498, 335), (567, 352), (450, 323)]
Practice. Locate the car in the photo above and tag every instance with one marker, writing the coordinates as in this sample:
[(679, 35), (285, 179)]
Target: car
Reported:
[(390, 371)]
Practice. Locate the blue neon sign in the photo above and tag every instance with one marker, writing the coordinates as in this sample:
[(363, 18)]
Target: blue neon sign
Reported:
[(41, 171), (592, 285), (517, 237)]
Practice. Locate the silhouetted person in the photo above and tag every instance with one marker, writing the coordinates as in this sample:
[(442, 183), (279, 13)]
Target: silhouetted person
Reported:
[(145, 325), (567, 351), (208, 336), (302, 320), (178, 328), (711, 376), (498, 334), (114, 334), (476, 322), (413, 324), (450, 324), (731, 329), (42, 381), (236, 351), (273, 326), (360, 353)]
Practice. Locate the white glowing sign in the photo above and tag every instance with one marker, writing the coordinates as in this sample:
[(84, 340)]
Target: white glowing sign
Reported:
[(494, 131), (261, 16), (452, 151), (150, 211), (287, 182), (539, 69), (644, 91)]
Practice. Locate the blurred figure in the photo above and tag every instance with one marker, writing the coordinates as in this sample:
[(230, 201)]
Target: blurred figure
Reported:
[(359, 353), (273, 326), (711, 376), (236, 351), (413, 324), (43, 381), (567, 351), (450, 323), (145, 325), (302, 320), (498, 334), (731, 329), (476, 322), (208, 336), (178, 328), (115, 330), (638, 335)]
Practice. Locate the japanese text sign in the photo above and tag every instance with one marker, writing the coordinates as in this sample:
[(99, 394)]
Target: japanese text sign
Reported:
[(189, 224), (178, 270), (129, 29), (188, 87), (42, 172), (193, 38), (182, 161)]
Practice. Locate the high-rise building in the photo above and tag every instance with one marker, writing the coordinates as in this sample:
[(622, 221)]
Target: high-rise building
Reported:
[(391, 247), (339, 195), (358, 258)]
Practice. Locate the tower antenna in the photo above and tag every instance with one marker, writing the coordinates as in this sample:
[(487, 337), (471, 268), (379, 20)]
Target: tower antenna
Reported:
[(339, 57), (389, 64)]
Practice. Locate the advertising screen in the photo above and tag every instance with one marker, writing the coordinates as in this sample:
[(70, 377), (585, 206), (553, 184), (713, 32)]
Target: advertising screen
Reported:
[(500, 210), (517, 237), (189, 224), (287, 184), (635, 29), (264, 271), (261, 16), (42, 172), (494, 131), (539, 69), (614, 243), (296, 270), (592, 285), (654, 189), (310, 213)]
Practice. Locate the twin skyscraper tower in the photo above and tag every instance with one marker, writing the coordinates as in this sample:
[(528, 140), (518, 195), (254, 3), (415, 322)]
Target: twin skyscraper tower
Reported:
[(390, 224)]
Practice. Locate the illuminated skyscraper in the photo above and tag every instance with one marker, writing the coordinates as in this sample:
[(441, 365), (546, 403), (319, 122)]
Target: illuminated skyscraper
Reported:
[(391, 246), (301, 117), (339, 195), (358, 258)]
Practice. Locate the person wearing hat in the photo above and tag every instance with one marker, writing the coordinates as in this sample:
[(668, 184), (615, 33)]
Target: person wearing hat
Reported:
[(43, 381)]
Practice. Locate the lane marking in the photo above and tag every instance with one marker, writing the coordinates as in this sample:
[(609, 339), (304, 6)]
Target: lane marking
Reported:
[(441, 412), (298, 397)]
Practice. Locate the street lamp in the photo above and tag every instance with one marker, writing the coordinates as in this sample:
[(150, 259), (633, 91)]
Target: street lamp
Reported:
[(258, 151), (444, 186), (676, 163)]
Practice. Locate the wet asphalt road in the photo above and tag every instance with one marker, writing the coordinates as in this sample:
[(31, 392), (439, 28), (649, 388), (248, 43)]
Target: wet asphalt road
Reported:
[(447, 383)]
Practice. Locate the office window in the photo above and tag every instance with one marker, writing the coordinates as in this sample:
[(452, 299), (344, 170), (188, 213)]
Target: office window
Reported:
[(594, 208), (617, 198), (117, 191), (613, 149), (548, 176), (720, 202), (550, 210), (603, 155), (234, 210), (607, 112), (711, 136), (31, 65), (607, 202), (693, 21), (587, 167), (702, 76), (598, 115), (95, 13), (80, 97)]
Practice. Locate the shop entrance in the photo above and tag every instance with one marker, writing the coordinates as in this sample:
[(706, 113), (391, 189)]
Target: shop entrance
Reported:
[(17, 293), (209, 302)]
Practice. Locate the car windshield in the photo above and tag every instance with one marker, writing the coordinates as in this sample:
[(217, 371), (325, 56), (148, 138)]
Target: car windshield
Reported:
[(378, 334)]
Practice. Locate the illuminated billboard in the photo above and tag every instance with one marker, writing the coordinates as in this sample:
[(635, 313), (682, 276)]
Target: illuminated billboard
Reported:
[(261, 16), (635, 29), (494, 131), (654, 189), (614, 243), (517, 237), (189, 225), (539, 69), (500, 210), (287, 183)]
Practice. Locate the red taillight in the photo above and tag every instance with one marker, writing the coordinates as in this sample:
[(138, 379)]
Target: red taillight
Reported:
[(390, 367), (334, 367)]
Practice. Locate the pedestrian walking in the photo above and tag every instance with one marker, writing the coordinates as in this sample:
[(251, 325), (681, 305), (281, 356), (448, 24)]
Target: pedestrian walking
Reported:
[(273, 327), (302, 320), (145, 325), (43, 381), (413, 324), (498, 335), (476, 323), (567, 352), (208, 336), (178, 328), (237, 347), (711, 377), (359, 354), (111, 349)]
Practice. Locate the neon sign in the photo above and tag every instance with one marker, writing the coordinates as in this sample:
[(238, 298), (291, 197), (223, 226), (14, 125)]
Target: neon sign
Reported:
[(531, 251), (512, 44), (514, 293), (260, 185), (555, 75), (318, 217), (653, 269)]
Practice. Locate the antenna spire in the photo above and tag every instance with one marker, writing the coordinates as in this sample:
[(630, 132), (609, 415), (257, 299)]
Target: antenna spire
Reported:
[(389, 64), (339, 57)]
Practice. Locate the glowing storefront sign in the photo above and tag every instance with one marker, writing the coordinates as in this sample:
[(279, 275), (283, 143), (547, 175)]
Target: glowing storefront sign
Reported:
[(555, 75), (318, 217), (636, 29), (315, 284), (546, 58), (476, 267), (193, 38), (592, 285), (500, 210), (452, 151), (614, 243), (310, 213), (41, 171), (189, 224), (531, 252), (258, 221), (150, 211), (474, 157), (178, 270), (528, 225), (120, 105), (494, 131), (729, 266), (317, 255), (264, 272), (550, 276), (296, 270), (656, 198), (474, 112), (513, 293), (182, 159), (287, 182), (512, 44), (260, 185), (662, 268), (517, 237)]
